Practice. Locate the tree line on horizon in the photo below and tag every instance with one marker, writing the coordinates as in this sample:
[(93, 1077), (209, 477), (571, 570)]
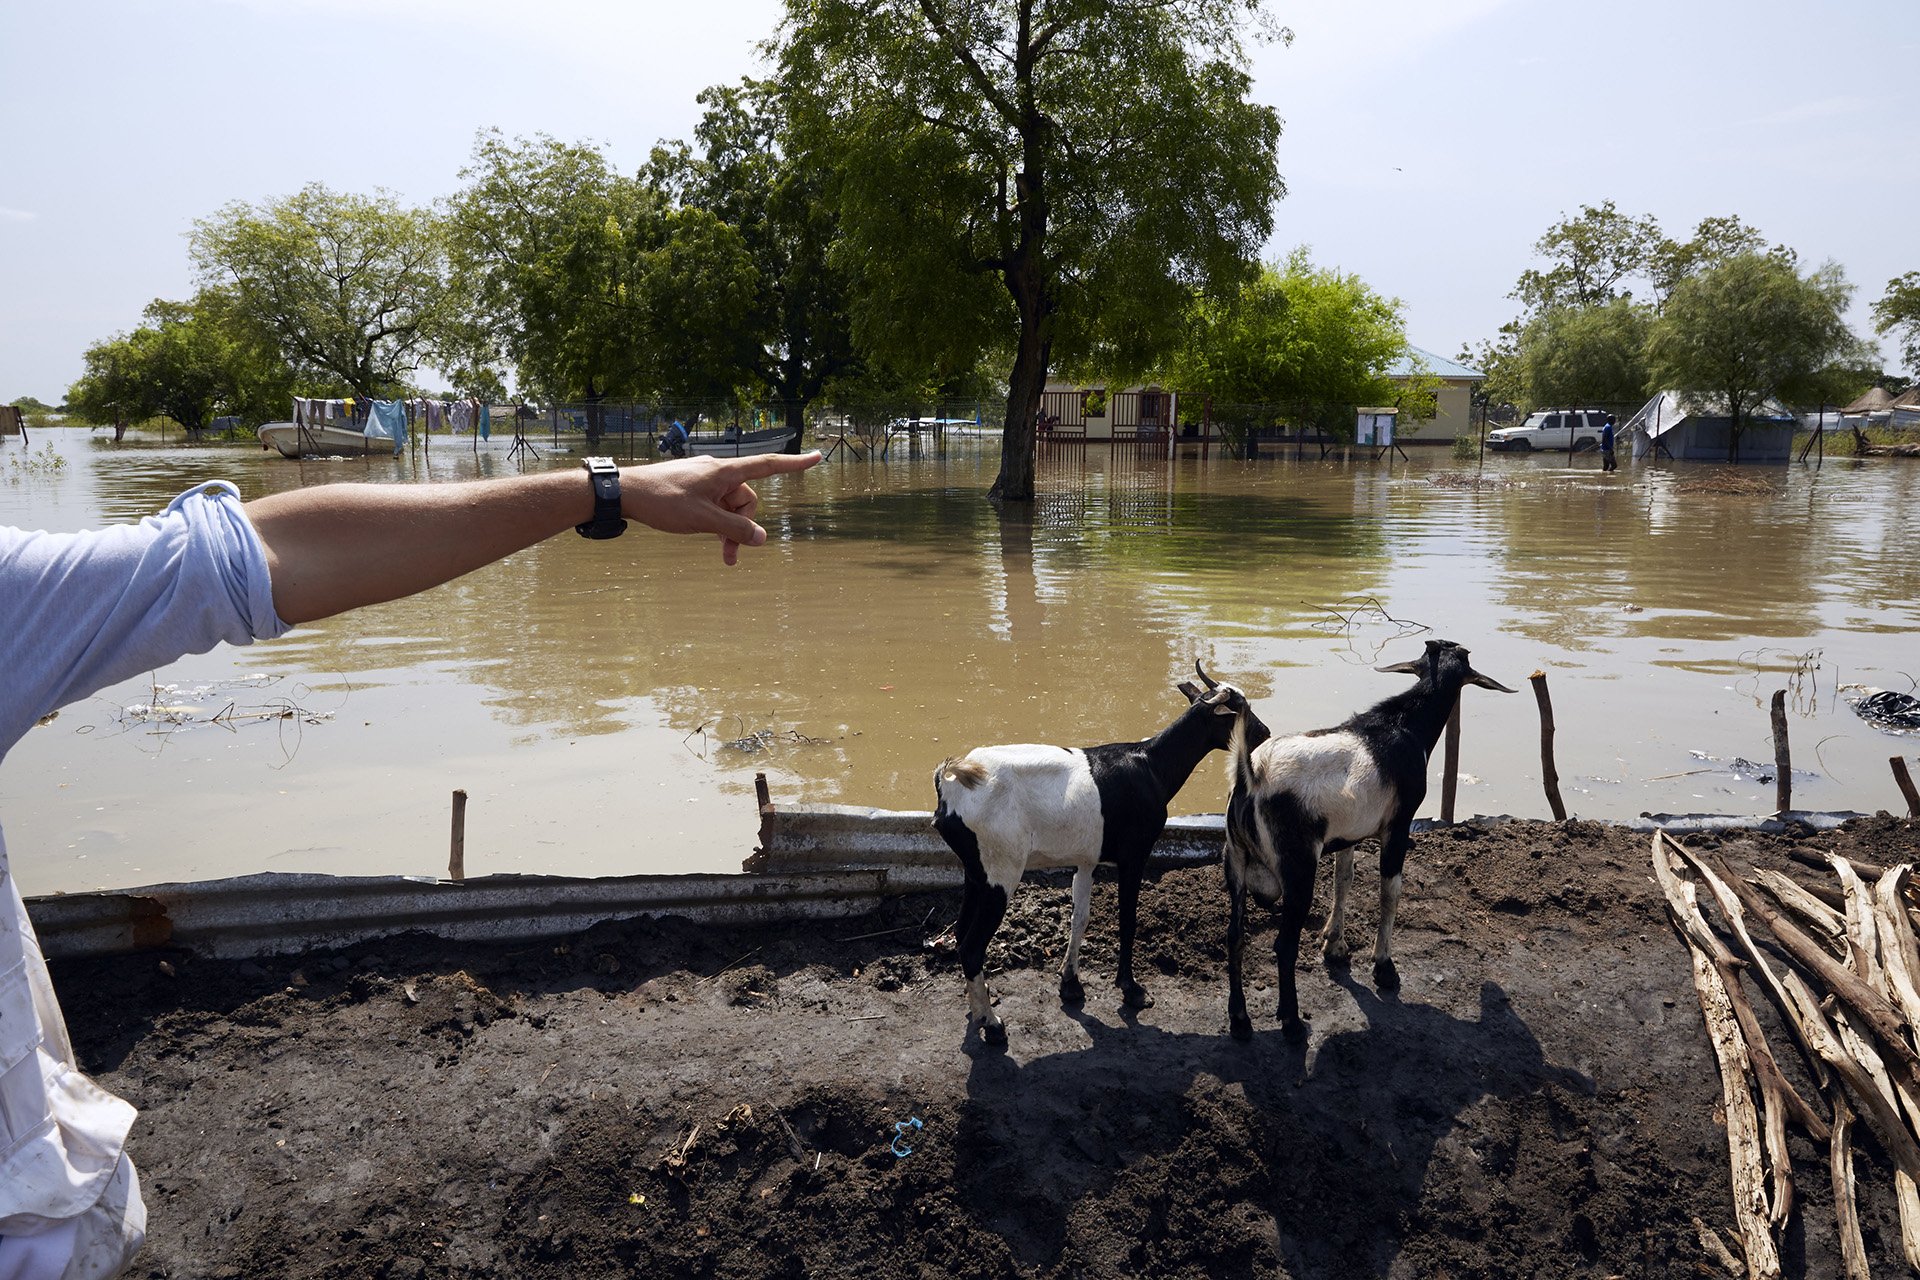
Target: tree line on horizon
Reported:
[(1619, 311), (924, 200)]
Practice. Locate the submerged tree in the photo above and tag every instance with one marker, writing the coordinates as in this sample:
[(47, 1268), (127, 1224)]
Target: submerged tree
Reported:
[(188, 361), (1586, 355), (1296, 340), (1750, 329), (1058, 175), (353, 286), (745, 168), (590, 283)]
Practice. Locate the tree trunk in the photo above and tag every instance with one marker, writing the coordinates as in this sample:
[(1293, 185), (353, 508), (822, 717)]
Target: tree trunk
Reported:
[(1024, 389), (595, 416), (797, 423), (1733, 427)]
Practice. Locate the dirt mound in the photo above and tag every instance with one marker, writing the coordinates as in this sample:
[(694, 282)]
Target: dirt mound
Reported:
[(658, 1098)]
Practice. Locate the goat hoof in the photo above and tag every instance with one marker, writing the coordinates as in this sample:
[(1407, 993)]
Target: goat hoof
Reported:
[(1241, 1026), (994, 1033), (1134, 996), (1294, 1029), (1385, 976), (1071, 992)]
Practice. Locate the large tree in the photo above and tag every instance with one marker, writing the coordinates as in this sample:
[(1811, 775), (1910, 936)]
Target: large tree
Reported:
[(1595, 355), (188, 361), (1296, 341), (590, 283), (1899, 312), (1590, 259), (1750, 329), (352, 286), (1060, 173), (744, 168)]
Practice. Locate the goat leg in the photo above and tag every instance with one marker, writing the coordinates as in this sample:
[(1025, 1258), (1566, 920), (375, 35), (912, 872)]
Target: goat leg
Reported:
[(1238, 1023), (1132, 994), (1393, 863), (1333, 938), (1071, 991), (985, 919), (1296, 880)]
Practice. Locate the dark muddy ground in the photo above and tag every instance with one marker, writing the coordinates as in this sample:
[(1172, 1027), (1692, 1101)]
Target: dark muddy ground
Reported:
[(661, 1099)]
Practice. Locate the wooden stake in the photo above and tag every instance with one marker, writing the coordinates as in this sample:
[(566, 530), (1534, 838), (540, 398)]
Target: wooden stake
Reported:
[(1782, 758), (457, 856), (1450, 770), (1549, 776), (1905, 781)]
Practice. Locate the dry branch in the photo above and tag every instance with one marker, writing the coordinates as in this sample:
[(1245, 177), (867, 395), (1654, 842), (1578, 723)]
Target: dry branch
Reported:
[(1846, 1202), (1796, 897)]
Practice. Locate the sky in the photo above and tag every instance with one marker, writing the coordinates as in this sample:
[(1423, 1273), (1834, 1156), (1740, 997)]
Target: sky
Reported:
[(1427, 144)]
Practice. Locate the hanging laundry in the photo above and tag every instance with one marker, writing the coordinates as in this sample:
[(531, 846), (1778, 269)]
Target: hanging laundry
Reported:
[(486, 422)]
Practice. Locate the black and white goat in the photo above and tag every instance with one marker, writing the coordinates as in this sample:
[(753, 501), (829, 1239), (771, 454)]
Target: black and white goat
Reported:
[(1004, 809), (1329, 789)]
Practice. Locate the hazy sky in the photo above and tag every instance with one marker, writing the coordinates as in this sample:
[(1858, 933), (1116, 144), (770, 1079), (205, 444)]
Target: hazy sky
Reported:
[(1428, 143)]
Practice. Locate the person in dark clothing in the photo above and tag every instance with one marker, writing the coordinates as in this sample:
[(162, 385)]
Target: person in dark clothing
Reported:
[(1607, 460)]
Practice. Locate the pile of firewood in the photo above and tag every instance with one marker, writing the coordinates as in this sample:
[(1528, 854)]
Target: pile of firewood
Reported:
[(1851, 996)]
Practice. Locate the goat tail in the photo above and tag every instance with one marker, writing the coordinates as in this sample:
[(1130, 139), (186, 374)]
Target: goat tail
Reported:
[(1240, 758), (968, 773)]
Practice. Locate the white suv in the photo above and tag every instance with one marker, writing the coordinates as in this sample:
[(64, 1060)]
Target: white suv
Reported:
[(1551, 429)]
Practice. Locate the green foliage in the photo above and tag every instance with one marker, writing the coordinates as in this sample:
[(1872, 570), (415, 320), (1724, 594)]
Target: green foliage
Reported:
[(746, 169), (1749, 329), (1593, 355), (30, 464), (1315, 342), (1590, 258), (589, 283), (347, 285), (1465, 448), (188, 361), (1054, 176), (1899, 312)]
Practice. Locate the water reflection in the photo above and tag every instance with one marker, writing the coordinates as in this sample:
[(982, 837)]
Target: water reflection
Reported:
[(607, 703)]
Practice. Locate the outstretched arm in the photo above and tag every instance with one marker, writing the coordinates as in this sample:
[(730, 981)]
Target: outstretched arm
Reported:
[(338, 547)]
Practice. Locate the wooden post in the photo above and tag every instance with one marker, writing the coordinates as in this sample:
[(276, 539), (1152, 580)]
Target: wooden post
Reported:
[(1549, 776), (1450, 769), (1782, 758), (457, 857), (1905, 780)]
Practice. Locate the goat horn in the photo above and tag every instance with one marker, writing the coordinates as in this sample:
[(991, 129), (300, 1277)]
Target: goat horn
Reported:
[(1205, 679)]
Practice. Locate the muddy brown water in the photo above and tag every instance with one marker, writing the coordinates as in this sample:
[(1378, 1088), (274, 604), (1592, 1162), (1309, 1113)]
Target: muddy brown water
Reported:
[(606, 705)]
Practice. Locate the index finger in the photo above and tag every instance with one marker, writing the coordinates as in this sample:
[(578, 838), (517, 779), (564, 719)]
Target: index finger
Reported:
[(762, 465)]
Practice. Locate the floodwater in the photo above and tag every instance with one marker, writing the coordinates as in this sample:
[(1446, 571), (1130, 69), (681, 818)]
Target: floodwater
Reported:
[(606, 705)]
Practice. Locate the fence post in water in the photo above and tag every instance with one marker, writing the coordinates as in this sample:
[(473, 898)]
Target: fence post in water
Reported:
[(1782, 759), (457, 856), (1450, 768), (1549, 776), (1905, 781)]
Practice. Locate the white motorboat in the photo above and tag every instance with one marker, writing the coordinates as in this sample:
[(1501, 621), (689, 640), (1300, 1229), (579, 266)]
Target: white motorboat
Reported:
[(734, 443), (295, 440)]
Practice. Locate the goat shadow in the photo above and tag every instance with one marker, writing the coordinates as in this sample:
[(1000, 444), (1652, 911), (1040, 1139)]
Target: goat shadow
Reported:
[(1336, 1152)]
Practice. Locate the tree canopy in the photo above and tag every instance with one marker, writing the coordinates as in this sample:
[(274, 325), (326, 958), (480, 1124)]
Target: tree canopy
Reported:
[(1594, 355), (1749, 329), (1296, 340), (353, 286), (745, 168), (1054, 175), (1898, 312), (189, 361), (591, 283)]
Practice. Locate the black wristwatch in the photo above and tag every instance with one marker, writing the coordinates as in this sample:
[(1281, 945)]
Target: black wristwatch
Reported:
[(606, 522)]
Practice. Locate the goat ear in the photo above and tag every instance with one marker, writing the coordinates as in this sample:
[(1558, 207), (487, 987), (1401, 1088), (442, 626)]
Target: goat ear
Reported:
[(1488, 682), (1190, 689), (1402, 668)]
